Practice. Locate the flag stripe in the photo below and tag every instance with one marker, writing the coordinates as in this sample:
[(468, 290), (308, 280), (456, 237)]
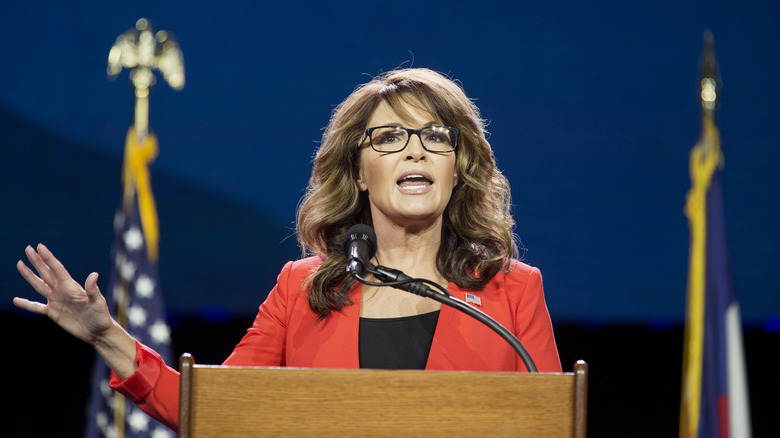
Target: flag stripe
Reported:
[(739, 403)]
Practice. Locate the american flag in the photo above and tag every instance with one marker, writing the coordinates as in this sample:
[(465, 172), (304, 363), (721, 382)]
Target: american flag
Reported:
[(133, 271)]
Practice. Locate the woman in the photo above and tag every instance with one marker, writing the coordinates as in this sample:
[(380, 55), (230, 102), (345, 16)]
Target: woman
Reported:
[(405, 153)]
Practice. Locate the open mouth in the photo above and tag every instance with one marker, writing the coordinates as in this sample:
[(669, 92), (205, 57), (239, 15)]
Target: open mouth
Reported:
[(414, 181)]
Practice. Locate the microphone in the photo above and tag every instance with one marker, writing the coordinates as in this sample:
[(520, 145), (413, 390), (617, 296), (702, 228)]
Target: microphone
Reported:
[(359, 247), (361, 241)]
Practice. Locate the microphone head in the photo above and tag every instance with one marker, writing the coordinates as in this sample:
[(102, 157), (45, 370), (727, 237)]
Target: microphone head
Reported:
[(360, 232)]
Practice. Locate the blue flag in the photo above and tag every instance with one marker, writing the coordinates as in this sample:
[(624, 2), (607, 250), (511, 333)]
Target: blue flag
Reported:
[(134, 298)]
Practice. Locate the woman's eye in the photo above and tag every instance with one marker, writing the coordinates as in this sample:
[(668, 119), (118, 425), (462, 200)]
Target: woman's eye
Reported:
[(389, 137), (436, 137)]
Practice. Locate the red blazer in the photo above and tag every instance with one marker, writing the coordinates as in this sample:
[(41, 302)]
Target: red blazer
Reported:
[(286, 333)]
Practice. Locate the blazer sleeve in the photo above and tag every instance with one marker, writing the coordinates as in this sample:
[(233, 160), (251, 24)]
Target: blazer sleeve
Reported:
[(154, 386), (532, 324)]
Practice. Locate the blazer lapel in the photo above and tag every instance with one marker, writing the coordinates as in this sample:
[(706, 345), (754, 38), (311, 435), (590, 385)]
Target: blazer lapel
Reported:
[(331, 343), (460, 342)]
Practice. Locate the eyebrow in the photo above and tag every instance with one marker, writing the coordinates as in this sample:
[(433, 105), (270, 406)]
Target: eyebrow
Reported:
[(426, 125)]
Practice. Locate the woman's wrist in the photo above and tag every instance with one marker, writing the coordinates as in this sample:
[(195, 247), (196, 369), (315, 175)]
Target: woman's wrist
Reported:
[(118, 349)]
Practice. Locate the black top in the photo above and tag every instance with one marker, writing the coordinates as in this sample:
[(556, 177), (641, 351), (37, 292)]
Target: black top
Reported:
[(396, 343)]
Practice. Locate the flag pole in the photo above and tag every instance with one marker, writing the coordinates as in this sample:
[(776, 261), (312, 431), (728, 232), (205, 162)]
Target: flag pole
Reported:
[(704, 159), (143, 51)]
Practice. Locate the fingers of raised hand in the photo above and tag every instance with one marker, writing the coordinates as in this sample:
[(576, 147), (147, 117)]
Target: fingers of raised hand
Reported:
[(91, 287), (30, 306), (36, 282), (40, 266), (55, 267)]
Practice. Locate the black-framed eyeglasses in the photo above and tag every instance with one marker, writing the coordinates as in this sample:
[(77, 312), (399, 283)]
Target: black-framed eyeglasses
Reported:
[(395, 138)]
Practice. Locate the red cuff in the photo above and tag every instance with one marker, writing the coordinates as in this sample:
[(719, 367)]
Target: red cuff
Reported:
[(141, 382)]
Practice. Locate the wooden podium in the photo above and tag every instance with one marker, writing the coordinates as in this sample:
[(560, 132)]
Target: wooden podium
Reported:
[(217, 401)]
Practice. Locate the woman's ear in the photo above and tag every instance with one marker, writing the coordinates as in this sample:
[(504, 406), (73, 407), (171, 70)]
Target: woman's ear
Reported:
[(360, 181)]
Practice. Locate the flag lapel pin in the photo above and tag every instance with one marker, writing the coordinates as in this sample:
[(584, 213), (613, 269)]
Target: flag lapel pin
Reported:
[(473, 299)]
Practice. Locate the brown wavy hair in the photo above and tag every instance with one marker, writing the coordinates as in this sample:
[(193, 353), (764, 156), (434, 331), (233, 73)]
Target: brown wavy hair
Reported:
[(477, 238)]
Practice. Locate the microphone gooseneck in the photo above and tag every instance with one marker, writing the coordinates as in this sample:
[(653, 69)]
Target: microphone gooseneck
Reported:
[(360, 246)]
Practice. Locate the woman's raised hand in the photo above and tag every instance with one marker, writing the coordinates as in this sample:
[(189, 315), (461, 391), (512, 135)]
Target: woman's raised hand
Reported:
[(82, 312)]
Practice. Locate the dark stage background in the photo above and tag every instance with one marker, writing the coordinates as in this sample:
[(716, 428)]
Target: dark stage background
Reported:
[(592, 109)]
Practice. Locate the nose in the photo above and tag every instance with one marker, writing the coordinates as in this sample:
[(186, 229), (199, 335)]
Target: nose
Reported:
[(415, 150)]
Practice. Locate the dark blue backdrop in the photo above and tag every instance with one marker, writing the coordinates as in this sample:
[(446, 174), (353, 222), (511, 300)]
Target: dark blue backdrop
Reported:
[(592, 109)]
